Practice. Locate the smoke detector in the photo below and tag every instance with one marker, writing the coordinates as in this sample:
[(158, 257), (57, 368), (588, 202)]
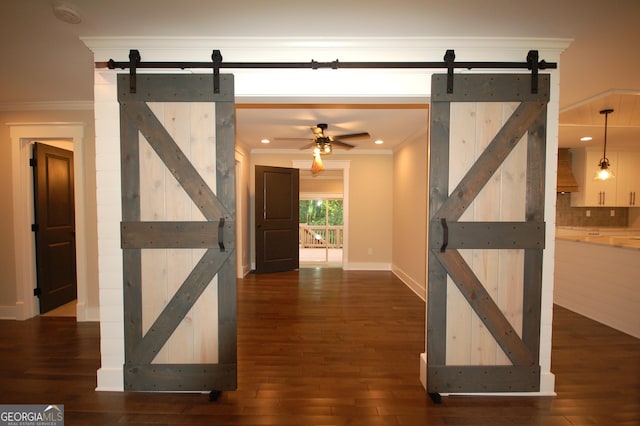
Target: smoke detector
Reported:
[(66, 13)]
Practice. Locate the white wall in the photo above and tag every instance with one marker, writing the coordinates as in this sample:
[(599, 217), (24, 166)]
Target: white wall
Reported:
[(410, 179), (379, 84)]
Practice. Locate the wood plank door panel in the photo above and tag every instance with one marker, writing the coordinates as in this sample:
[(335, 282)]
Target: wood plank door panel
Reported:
[(486, 234), (55, 226), (277, 210), (178, 233)]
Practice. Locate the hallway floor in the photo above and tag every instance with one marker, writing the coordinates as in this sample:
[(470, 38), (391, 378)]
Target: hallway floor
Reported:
[(324, 347)]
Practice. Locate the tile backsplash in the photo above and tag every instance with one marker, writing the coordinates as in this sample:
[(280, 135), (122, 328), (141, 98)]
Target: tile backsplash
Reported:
[(598, 216)]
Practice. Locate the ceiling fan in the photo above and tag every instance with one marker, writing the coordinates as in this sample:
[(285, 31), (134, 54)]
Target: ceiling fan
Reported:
[(323, 144)]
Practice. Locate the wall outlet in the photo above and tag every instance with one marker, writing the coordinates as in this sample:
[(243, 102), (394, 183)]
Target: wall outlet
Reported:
[(612, 213), (588, 213), (370, 251)]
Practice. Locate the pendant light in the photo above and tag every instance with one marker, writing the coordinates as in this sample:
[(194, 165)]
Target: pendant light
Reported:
[(604, 172)]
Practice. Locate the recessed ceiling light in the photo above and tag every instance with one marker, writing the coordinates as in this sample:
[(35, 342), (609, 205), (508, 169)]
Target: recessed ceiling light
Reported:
[(586, 138), (265, 141), (379, 142)]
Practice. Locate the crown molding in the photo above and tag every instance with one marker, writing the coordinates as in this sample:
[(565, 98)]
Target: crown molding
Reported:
[(323, 48)]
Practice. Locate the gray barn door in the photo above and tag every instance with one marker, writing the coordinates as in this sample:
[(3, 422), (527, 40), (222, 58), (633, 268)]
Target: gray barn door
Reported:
[(178, 233), (486, 233)]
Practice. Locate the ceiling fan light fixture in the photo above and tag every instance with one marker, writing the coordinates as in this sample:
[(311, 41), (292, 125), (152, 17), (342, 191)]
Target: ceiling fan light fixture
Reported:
[(317, 165), (604, 172)]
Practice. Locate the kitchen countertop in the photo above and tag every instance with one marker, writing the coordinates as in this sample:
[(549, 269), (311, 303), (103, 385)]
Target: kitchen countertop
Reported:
[(616, 237)]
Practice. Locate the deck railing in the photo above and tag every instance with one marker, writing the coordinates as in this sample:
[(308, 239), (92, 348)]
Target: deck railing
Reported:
[(320, 236)]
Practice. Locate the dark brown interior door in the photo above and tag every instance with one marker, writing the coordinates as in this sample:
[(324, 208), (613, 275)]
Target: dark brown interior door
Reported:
[(55, 226), (277, 198)]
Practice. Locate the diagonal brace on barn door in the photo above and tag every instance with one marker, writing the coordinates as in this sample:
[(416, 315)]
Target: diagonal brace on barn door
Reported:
[(175, 160), (482, 303), (489, 161), (182, 301)]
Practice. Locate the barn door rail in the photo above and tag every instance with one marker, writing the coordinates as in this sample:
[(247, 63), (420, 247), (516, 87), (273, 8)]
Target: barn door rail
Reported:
[(532, 63)]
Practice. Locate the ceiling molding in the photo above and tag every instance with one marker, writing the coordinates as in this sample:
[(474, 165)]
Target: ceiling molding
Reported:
[(270, 49)]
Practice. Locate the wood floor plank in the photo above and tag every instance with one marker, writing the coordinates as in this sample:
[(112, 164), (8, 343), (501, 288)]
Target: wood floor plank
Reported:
[(324, 346)]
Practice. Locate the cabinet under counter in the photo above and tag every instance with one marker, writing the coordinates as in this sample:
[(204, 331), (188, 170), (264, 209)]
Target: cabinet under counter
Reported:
[(600, 280)]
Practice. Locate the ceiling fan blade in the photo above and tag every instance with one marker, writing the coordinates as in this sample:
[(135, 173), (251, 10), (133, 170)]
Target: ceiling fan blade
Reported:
[(353, 136), (340, 144), (307, 146)]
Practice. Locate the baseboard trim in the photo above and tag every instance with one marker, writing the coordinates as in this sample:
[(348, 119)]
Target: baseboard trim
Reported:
[(409, 282), (8, 312), (110, 380), (87, 314), (353, 266)]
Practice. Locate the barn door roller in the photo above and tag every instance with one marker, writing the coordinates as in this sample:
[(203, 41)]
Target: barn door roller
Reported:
[(532, 63)]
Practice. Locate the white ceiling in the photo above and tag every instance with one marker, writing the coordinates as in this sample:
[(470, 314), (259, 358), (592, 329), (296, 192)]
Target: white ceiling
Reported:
[(44, 60)]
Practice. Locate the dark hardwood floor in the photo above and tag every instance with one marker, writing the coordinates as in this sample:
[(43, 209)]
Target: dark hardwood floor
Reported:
[(324, 347)]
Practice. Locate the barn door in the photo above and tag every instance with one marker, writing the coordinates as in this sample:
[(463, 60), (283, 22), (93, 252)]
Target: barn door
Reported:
[(178, 238), (486, 233)]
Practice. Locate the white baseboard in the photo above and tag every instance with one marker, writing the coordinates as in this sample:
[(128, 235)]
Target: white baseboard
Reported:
[(86, 313), (110, 380), (7, 312), (353, 266), (414, 285), (246, 269)]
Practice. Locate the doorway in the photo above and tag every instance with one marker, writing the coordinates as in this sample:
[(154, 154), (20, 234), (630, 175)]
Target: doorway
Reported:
[(321, 219), (54, 224), (23, 135)]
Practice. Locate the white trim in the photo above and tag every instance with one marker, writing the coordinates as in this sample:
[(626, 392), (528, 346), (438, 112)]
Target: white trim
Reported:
[(118, 48), (321, 195), (346, 84), (343, 165), (22, 137), (239, 216), (110, 380), (413, 285), (8, 312), (367, 266)]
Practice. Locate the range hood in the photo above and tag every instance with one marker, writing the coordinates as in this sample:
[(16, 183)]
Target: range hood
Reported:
[(566, 181)]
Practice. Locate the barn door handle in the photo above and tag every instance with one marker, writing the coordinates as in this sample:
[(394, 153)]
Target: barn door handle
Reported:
[(445, 235), (221, 234)]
